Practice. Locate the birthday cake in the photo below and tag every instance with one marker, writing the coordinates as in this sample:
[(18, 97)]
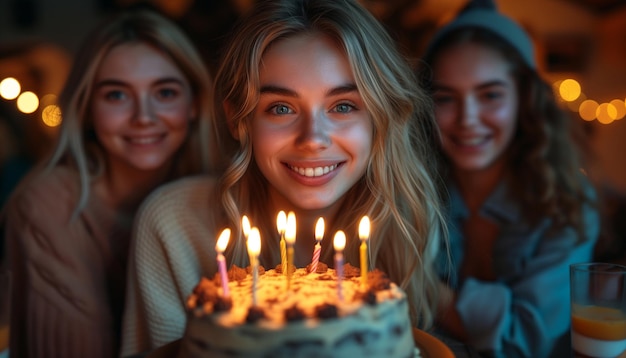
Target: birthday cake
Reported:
[(306, 315)]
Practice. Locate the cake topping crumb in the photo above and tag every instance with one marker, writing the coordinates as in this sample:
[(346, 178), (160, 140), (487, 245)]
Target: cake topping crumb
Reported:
[(326, 310), (255, 313), (350, 271), (293, 313), (378, 280)]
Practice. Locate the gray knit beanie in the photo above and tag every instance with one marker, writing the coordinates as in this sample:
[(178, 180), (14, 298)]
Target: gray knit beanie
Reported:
[(484, 14)]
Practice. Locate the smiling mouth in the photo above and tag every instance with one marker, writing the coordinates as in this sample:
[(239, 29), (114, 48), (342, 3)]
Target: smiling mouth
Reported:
[(144, 140), (313, 172), (470, 142)]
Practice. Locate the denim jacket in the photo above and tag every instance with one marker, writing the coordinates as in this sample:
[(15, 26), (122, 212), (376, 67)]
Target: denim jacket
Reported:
[(525, 312)]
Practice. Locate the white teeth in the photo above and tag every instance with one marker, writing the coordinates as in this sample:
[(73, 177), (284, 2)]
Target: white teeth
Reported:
[(473, 141), (314, 172), (146, 140)]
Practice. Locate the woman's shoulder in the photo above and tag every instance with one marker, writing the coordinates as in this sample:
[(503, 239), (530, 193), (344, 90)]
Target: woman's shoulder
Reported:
[(182, 195), (42, 189)]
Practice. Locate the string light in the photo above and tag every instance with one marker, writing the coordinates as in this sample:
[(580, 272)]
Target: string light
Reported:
[(570, 91)]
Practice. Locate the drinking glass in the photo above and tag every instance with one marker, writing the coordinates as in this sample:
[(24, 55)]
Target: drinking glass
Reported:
[(598, 310)]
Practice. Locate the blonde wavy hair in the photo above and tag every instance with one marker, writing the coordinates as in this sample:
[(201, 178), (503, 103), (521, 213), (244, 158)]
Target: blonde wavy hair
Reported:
[(399, 190), (77, 145)]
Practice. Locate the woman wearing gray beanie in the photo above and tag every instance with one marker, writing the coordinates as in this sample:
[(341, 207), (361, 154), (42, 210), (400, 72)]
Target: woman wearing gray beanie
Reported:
[(520, 211)]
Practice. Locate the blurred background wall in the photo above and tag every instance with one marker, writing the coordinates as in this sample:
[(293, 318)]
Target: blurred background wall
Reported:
[(580, 40)]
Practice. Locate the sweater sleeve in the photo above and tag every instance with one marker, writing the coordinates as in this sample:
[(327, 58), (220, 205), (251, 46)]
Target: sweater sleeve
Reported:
[(169, 253), (527, 315), (59, 300)]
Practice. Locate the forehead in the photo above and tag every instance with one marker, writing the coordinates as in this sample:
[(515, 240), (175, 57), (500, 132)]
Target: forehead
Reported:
[(469, 63), (137, 60), (312, 56)]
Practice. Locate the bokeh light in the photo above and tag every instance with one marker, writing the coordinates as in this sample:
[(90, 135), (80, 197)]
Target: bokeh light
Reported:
[(620, 107), (587, 110), (51, 115), (569, 89), (27, 102), (606, 113), (10, 88)]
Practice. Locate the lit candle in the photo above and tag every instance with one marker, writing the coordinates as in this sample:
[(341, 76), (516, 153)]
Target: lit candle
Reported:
[(319, 235), (339, 243), (254, 248), (245, 227), (220, 246), (290, 239), (281, 223), (364, 233)]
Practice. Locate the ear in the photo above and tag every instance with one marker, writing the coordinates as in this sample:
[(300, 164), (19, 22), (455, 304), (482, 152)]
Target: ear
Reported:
[(230, 114)]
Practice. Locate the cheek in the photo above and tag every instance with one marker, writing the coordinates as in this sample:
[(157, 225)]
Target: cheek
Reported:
[(505, 120)]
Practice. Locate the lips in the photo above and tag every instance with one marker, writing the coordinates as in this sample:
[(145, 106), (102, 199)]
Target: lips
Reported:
[(470, 141), (145, 140), (312, 172)]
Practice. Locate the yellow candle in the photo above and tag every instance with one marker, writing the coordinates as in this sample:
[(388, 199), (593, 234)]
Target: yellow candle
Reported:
[(281, 223), (254, 248), (364, 233), (290, 239)]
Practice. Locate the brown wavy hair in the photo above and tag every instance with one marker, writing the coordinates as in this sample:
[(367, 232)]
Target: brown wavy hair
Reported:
[(547, 152)]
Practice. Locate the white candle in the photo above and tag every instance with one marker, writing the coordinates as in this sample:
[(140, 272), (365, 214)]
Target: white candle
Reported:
[(339, 244), (254, 249), (245, 228), (220, 246)]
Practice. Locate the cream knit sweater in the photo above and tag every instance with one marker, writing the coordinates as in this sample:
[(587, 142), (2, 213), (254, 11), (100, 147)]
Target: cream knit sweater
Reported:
[(174, 245)]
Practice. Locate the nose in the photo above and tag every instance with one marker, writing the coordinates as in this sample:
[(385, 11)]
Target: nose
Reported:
[(144, 111), (469, 114), (314, 131)]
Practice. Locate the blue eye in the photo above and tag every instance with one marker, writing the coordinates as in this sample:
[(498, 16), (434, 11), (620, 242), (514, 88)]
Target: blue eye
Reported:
[(167, 93), (344, 108), (115, 95), (280, 109)]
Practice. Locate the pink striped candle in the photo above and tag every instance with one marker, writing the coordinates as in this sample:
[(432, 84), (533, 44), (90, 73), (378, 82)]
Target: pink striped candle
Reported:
[(220, 246), (319, 235)]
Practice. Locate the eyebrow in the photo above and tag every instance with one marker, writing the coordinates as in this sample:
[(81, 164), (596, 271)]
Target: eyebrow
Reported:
[(342, 89), (160, 81), (484, 85)]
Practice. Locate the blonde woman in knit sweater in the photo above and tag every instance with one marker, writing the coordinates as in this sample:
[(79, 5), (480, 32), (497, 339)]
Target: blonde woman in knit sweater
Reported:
[(136, 107), (328, 121)]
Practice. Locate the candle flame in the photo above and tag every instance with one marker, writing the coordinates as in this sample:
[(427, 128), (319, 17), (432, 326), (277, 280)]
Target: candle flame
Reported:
[(222, 241), (254, 242), (281, 222), (319, 229), (340, 241), (245, 226), (290, 232), (364, 228)]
